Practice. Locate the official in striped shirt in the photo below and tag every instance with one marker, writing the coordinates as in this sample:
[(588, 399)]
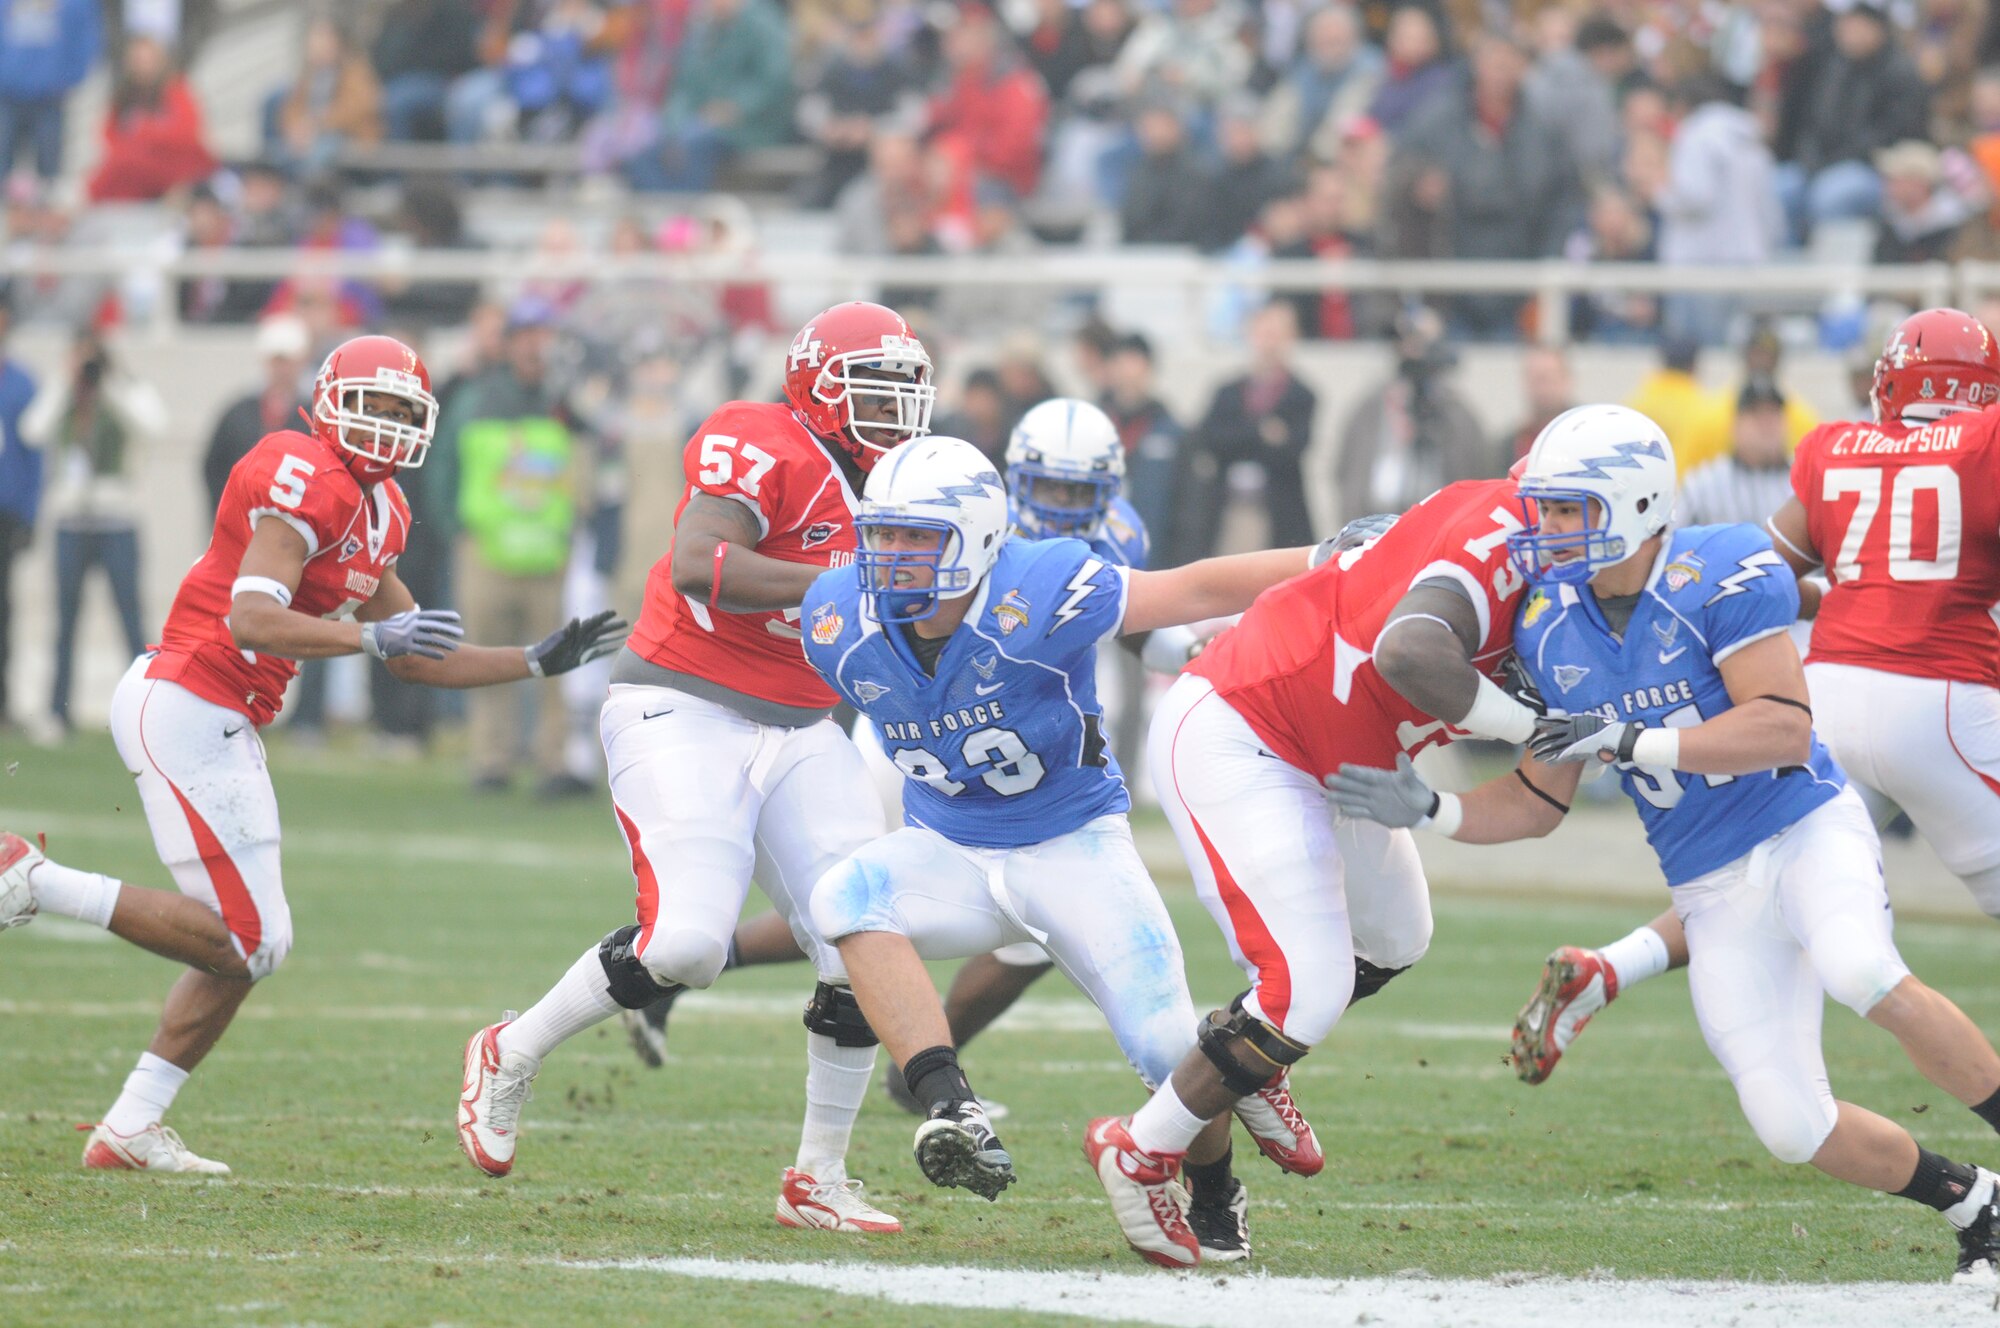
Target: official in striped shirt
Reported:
[(1754, 480)]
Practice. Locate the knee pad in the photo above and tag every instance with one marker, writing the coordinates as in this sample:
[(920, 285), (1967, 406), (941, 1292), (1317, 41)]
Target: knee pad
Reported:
[(853, 897), (1369, 979), (833, 1012), (1245, 1050), (1791, 1120), (632, 986), (1856, 966), (686, 958)]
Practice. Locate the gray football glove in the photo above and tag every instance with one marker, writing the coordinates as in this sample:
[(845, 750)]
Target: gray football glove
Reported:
[(1561, 738), (576, 643), (432, 633), (1396, 798), (1352, 536)]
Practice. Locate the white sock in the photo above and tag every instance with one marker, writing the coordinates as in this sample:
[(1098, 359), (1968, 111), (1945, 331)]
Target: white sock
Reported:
[(149, 1091), (1165, 1125), (69, 893), (837, 1081), (1962, 1213), (1637, 957), (580, 999)]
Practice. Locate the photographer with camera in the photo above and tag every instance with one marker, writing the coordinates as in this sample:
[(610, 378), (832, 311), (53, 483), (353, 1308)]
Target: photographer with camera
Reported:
[(1414, 434), (90, 425)]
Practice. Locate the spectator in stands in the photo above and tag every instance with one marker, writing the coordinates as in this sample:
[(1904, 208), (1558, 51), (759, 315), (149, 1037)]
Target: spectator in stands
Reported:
[(1548, 389), (1511, 190), (266, 213), (1091, 346), (1566, 88), (1243, 180), (1152, 438), (334, 103), (1418, 71), (517, 455), (993, 230), (1717, 201), (1754, 478), (1922, 214), (1190, 49), (981, 417), (428, 218), (1089, 147), (1945, 48), (422, 47), (1024, 381), (896, 185), (1617, 230), (990, 117), (1252, 438), (861, 92), (1709, 433), (1333, 231), (209, 226), (1333, 80), (1413, 434), (1984, 149), (731, 93), (46, 49), (1164, 197), (907, 233), (20, 485), (1867, 96), (283, 343), (1060, 45), (92, 424), (1673, 398), (646, 42), (152, 130), (652, 421)]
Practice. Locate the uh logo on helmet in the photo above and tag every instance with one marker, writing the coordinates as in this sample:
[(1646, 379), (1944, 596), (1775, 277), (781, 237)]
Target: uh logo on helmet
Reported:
[(359, 377), (860, 379), (1618, 467)]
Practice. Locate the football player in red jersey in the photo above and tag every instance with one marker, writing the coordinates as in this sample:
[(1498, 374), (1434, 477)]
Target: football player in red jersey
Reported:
[(1389, 648), (302, 565), (723, 760), (1903, 512)]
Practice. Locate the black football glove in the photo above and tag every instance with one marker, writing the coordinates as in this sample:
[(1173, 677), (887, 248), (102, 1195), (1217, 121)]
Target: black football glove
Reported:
[(576, 643)]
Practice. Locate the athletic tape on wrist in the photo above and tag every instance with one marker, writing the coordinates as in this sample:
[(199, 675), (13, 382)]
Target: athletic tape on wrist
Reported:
[(1657, 747), (1448, 816), (1495, 714), (262, 585)]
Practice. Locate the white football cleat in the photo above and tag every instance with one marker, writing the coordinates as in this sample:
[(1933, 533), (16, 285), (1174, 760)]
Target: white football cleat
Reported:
[(1281, 1130), (155, 1148), (1142, 1193), (1576, 984), (489, 1104), (17, 898), (830, 1205)]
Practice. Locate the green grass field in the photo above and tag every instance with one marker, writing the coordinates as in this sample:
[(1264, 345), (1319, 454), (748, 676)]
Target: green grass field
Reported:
[(421, 913)]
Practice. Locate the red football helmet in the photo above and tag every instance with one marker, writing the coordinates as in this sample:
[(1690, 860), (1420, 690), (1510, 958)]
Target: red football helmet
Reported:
[(860, 355), (1943, 359), (377, 367)]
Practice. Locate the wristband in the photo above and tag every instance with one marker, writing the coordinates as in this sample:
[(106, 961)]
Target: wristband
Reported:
[(1660, 747), (262, 585), (1495, 714), (1447, 814), (715, 574), (534, 662)]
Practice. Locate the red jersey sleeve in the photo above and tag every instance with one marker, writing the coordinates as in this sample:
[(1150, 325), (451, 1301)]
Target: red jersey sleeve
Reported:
[(1466, 531), (291, 477), (731, 456)]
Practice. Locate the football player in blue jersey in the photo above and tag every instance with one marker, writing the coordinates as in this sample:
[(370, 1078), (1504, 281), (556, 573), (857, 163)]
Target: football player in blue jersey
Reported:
[(975, 656), (1668, 656)]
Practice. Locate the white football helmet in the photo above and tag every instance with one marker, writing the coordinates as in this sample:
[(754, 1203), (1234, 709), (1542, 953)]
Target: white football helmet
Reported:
[(936, 484), (1614, 461), (1065, 463)]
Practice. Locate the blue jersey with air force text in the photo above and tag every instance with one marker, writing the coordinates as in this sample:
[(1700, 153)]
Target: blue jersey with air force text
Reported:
[(1714, 590), (1002, 748)]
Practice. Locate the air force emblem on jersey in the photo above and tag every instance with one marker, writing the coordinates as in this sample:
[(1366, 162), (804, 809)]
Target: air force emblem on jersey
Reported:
[(819, 532), (1683, 570), (826, 624), (1011, 612), (984, 668), (1569, 675), (1667, 630), (869, 692)]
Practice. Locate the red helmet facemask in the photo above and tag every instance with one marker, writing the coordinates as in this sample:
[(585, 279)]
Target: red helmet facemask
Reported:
[(1935, 363), (374, 448), (861, 355)]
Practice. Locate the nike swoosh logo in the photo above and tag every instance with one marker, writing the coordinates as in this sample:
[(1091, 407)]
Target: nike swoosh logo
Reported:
[(989, 689), (230, 733), (1668, 657), (655, 714)]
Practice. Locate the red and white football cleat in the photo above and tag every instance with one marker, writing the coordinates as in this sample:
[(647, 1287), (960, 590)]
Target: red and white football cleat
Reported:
[(156, 1149), (490, 1101), (1576, 984), (1281, 1130), (17, 898), (1142, 1193), (830, 1205)]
